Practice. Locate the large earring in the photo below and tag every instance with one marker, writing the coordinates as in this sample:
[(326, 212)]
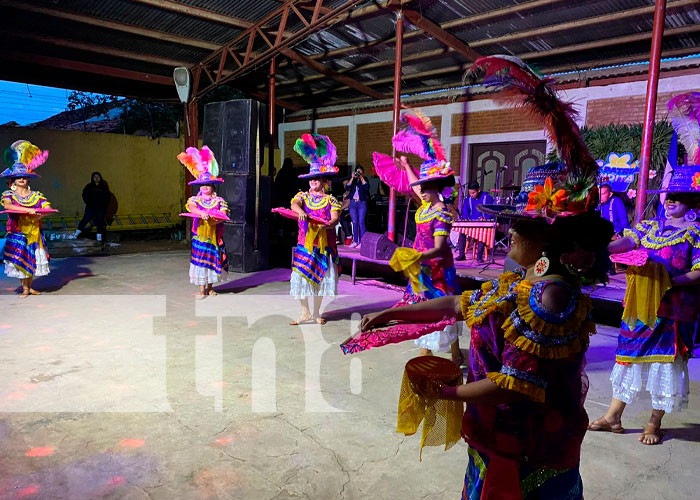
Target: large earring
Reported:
[(542, 265), (690, 216), (13, 187), (666, 214)]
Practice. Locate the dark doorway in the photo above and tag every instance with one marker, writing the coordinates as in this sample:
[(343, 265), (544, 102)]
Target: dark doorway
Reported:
[(488, 160)]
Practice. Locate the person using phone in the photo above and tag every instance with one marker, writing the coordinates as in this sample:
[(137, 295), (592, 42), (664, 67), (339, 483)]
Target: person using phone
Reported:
[(358, 188)]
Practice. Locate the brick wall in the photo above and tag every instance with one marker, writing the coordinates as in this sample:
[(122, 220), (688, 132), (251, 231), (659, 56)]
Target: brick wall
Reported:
[(455, 157), (493, 122), (339, 136), (373, 137), (625, 110)]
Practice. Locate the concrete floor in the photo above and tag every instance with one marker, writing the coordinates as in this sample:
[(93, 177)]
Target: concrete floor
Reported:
[(118, 384)]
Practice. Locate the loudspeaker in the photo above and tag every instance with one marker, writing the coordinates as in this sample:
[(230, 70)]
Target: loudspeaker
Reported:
[(235, 131), (240, 194), (243, 255), (377, 246)]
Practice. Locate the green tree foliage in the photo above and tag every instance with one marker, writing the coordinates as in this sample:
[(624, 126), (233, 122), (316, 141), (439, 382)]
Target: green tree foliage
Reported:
[(89, 105), (156, 118)]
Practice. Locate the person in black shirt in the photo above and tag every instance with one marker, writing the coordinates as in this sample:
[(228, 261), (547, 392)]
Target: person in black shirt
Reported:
[(96, 196), (358, 189)]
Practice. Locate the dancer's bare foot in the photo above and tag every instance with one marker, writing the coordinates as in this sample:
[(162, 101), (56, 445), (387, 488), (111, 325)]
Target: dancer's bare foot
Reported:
[(213, 293), (651, 434), (605, 425), (425, 352), (304, 318), (34, 292), (320, 320), (25, 293), (199, 295)]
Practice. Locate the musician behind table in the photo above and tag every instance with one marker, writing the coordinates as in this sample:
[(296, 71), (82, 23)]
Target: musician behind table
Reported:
[(470, 212), (613, 209)]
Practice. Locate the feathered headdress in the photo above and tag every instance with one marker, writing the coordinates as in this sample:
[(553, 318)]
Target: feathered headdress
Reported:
[(684, 111), (202, 165), (319, 152), (419, 137), (22, 158), (525, 89)]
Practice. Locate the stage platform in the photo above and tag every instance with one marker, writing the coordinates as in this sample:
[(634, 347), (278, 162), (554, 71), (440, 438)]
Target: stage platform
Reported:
[(607, 299)]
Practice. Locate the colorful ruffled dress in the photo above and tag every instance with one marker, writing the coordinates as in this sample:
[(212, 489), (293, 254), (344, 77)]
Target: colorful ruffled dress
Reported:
[(25, 248), (657, 349), (531, 448), (438, 276), (208, 258), (315, 261)]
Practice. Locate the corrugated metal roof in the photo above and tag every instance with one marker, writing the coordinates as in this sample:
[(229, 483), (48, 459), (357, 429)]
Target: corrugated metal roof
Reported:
[(359, 47)]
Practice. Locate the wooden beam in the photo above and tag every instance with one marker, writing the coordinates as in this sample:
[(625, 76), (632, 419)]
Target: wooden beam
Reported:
[(98, 49), (685, 51), (331, 73), (546, 70), (54, 62), (112, 25), (485, 16), (503, 12), (607, 42), (191, 11), (435, 31), (579, 23), (566, 49), (262, 96)]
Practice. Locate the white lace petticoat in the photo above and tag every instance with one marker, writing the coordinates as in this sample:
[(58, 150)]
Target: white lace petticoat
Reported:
[(301, 288), (667, 383), (440, 341), (42, 266), (204, 276)]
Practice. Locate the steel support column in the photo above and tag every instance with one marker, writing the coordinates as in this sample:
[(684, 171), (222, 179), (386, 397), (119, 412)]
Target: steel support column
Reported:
[(271, 117), (650, 110), (397, 114)]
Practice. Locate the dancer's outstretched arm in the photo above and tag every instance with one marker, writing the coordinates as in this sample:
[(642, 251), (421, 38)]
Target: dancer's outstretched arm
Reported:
[(429, 311)]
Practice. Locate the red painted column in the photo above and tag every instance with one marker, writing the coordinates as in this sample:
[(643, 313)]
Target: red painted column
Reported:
[(271, 116), (397, 114), (650, 110)]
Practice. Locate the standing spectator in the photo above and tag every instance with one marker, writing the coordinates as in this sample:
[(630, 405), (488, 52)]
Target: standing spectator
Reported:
[(470, 211), (358, 188), (96, 196), (613, 209)]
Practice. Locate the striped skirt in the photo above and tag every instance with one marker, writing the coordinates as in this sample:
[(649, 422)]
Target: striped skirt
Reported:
[(23, 260)]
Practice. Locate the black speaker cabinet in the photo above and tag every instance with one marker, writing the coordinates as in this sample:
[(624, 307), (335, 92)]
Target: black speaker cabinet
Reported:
[(237, 134), (377, 246), (240, 193), (244, 256)]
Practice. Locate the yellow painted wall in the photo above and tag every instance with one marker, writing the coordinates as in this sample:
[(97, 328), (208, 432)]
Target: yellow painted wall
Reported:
[(144, 175)]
